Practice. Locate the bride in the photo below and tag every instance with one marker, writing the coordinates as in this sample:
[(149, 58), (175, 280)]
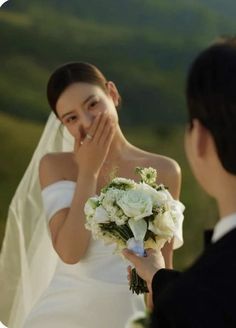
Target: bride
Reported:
[(78, 282)]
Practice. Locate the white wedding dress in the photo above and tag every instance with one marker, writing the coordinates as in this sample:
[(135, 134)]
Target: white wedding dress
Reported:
[(93, 293), (39, 290)]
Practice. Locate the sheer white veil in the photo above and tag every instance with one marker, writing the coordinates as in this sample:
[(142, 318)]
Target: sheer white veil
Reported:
[(28, 260)]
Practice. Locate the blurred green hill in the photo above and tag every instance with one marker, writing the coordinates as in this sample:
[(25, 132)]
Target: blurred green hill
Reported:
[(19, 138), (144, 46)]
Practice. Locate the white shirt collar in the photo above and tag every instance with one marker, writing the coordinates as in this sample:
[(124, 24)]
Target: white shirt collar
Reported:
[(225, 225)]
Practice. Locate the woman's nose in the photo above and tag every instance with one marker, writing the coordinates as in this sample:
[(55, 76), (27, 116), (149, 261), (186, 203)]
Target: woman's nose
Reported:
[(86, 120)]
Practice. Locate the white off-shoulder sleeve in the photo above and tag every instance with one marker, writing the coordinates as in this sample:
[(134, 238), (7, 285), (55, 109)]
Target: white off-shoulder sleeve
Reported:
[(178, 236), (57, 196)]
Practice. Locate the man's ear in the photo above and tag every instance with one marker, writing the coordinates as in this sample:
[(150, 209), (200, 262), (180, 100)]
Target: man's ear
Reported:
[(113, 92), (200, 137)]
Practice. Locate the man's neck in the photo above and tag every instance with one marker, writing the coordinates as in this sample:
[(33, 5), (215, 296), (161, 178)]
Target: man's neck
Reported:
[(227, 201)]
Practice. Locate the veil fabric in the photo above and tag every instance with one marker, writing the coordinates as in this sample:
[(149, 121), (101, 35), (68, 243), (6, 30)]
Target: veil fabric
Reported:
[(27, 259)]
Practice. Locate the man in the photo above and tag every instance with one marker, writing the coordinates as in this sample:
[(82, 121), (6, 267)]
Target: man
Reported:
[(205, 294)]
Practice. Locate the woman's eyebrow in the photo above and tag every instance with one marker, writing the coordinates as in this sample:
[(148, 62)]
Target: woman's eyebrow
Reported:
[(83, 103), (64, 115), (87, 99)]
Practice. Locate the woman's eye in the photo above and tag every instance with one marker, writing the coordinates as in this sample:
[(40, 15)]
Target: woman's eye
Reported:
[(93, 104), (71, 119)]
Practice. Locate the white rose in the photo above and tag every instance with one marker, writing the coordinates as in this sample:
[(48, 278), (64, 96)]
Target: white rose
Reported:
[(136, 204), (101, 215), (163, 225), (153, 193), (159, 197), (163, 198), (176, 207)]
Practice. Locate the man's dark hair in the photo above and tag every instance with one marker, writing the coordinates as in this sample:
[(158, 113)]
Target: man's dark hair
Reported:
[(211, 97)]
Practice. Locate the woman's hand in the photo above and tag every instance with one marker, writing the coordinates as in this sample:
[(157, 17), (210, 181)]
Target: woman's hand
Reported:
[(91, 154)]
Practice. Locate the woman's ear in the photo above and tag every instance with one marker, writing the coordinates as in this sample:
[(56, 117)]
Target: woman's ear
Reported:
[(201, 137), (113, 92)]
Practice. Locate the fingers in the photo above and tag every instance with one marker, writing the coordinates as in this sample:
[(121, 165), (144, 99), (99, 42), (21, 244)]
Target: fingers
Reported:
[(130, 256), (97, 127), (107, 136), (101, 130), (77, 144), (149, 251), (95, 124)]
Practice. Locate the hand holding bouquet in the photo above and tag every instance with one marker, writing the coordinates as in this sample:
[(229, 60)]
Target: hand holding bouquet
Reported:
[(135, 215)]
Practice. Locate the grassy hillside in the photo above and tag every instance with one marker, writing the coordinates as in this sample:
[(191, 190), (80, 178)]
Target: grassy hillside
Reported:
[(19, 138), (144, 46)]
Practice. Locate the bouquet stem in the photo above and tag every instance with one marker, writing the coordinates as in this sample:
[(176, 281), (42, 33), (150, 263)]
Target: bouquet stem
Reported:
[(137, 284)]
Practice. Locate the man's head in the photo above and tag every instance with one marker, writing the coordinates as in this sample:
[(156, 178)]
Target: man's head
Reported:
[(211, 97), (211, 102)]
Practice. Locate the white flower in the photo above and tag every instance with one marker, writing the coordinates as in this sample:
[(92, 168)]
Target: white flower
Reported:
[(163, 197), (120, 220), (157, 196), (93, 227), (135, 204), (109, 201), (110, 197), (148, 175), (126, 212), (139, 228), (163, 225), (176, 207), (90, 206), (123, 183), (101, 215)]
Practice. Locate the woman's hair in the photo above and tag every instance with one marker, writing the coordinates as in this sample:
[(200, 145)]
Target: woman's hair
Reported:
[(211, 97), (71, 73)]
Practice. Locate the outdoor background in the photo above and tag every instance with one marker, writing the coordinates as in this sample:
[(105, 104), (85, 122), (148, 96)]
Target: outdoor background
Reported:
[(144, 46)]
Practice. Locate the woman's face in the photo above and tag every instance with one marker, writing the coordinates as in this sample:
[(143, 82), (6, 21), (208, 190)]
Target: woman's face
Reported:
[(81, 102)]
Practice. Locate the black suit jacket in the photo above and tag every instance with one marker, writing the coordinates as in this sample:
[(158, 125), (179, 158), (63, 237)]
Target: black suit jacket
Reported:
[(204, 295)]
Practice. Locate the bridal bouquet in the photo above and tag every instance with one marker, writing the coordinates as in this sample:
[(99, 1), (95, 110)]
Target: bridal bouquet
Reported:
[(139, 320), (136, 215)]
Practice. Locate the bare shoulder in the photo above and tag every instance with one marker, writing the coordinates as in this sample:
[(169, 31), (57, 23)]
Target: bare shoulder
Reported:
[(168, 171), (54, 167), (168, 165)]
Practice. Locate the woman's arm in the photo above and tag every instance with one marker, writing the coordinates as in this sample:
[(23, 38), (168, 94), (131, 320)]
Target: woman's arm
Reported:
[(69, 236)]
